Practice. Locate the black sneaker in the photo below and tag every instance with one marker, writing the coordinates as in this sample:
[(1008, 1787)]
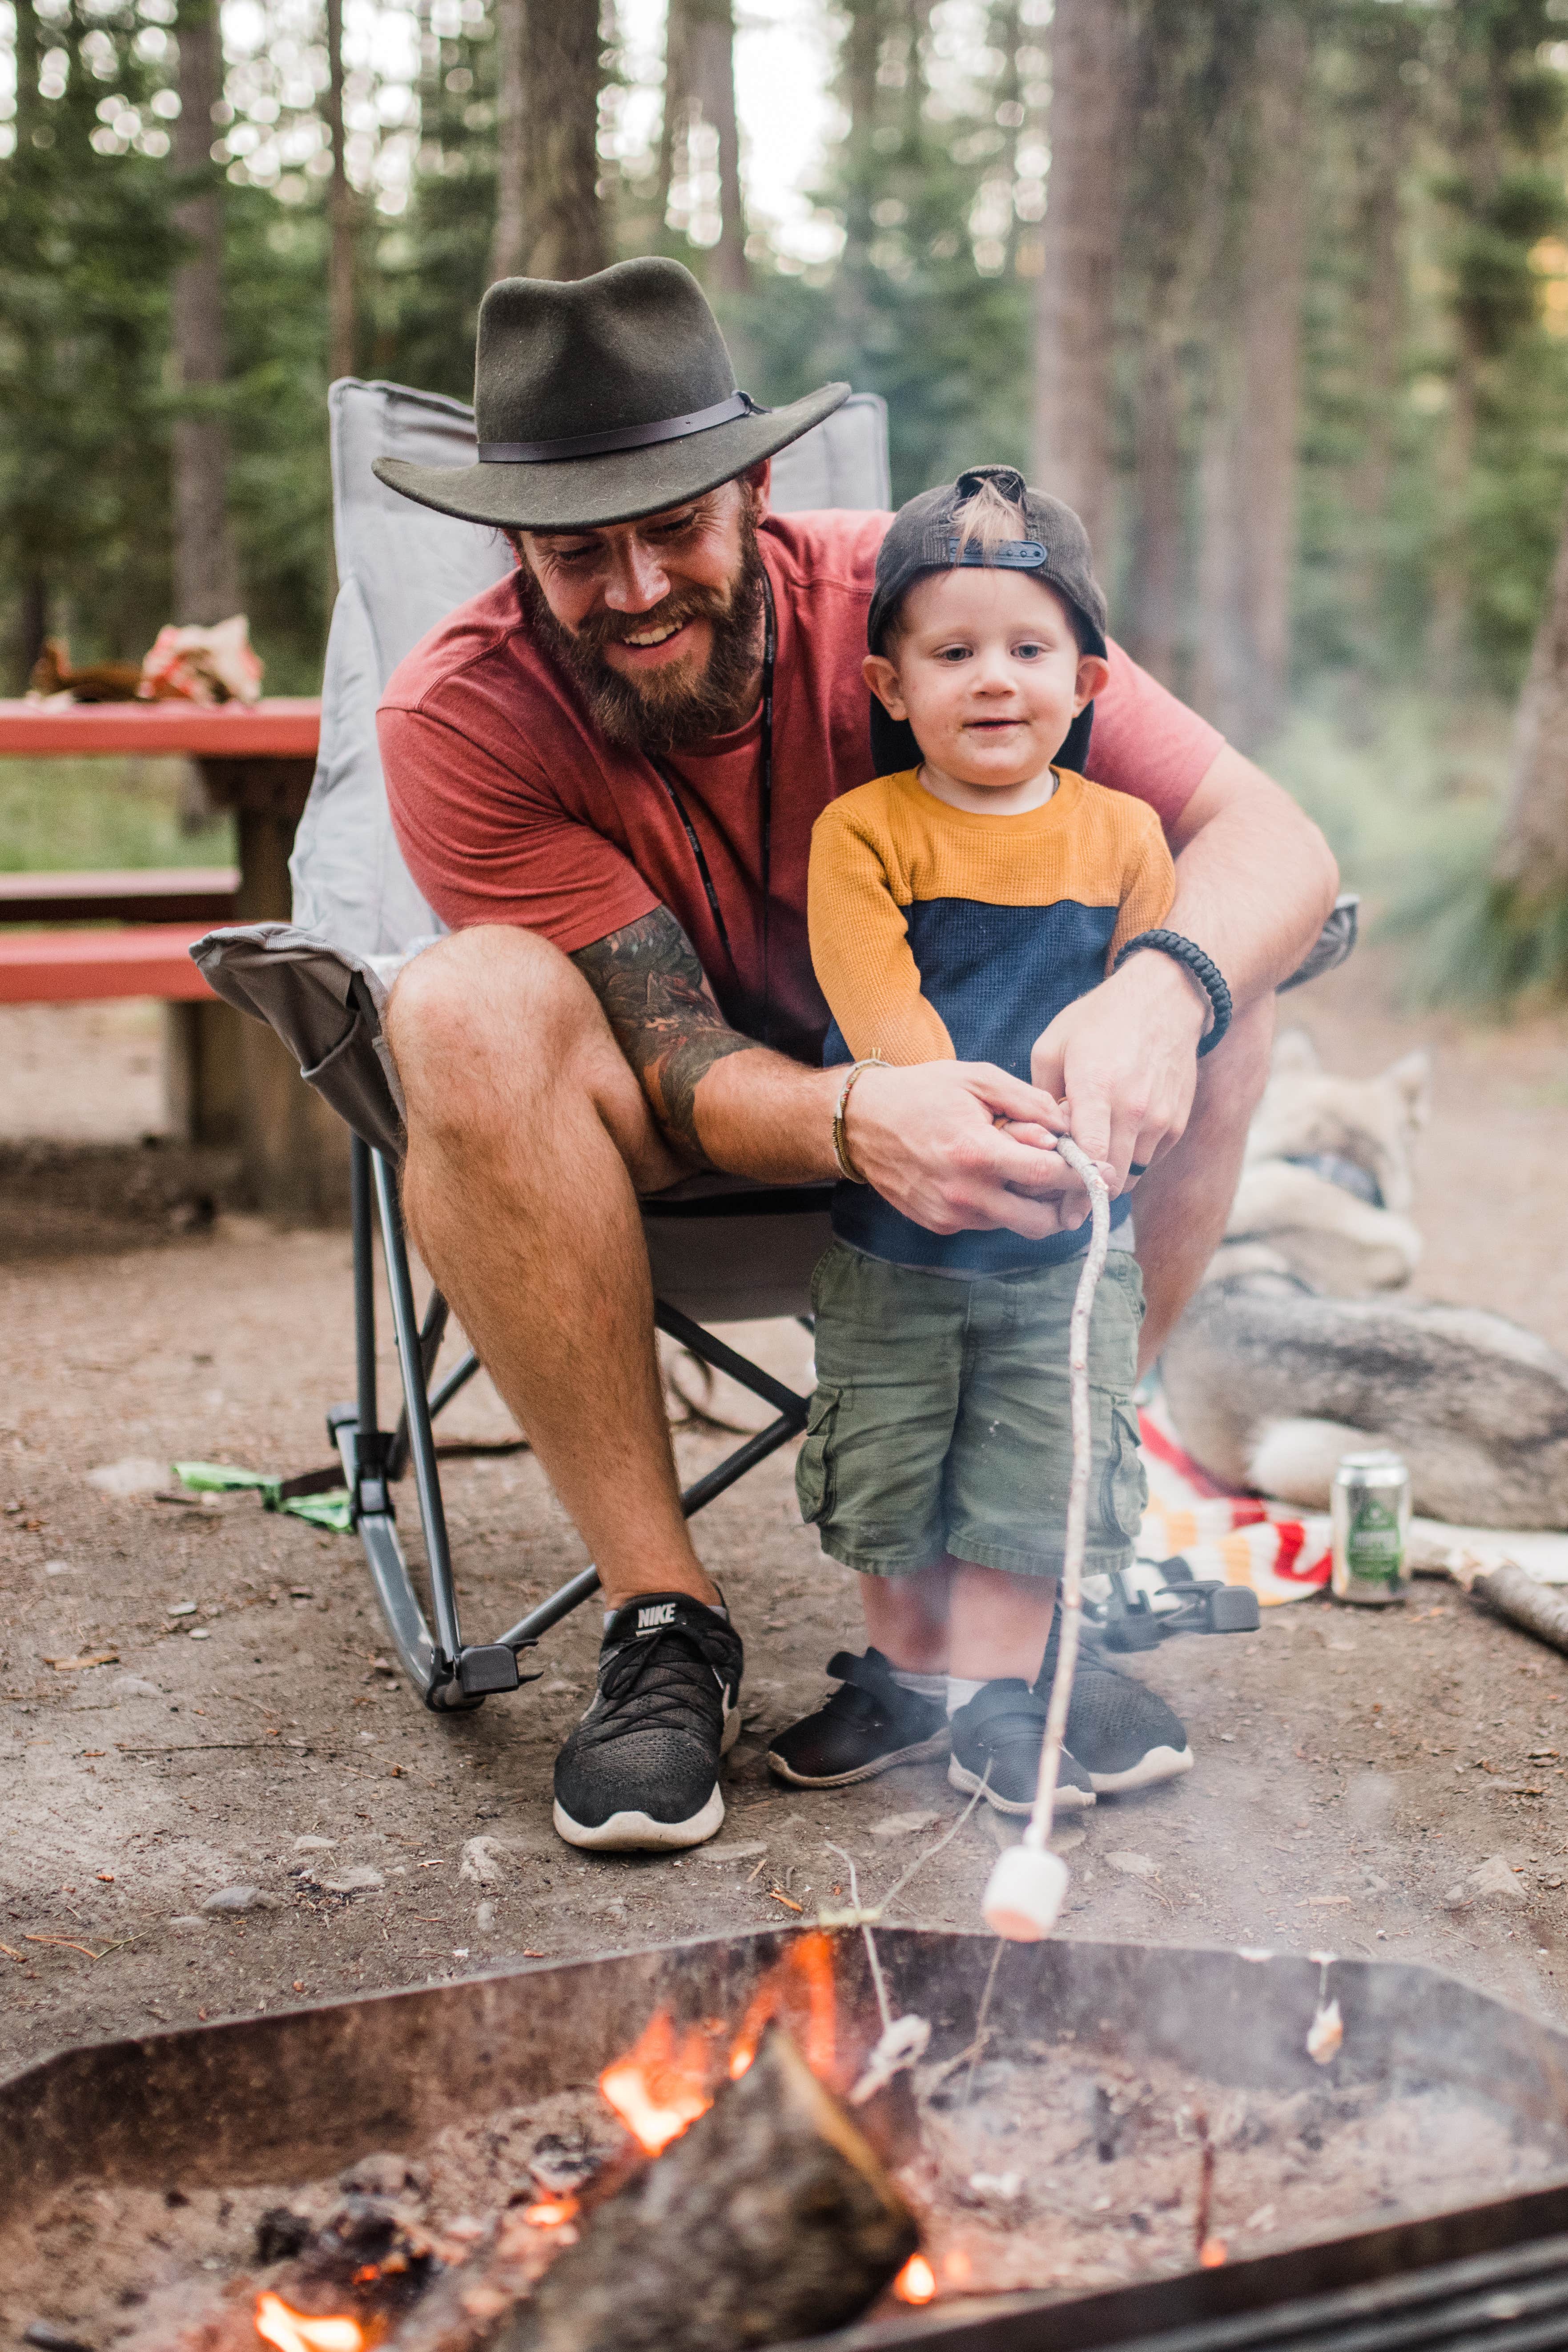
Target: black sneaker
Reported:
[(1124, 1734), (996, 1740), (641, 1770), (870, 1724)]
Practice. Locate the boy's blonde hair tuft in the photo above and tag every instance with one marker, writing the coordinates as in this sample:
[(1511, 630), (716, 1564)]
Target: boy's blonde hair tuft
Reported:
[(987, 519)]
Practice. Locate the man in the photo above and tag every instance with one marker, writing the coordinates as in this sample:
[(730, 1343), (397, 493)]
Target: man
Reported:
[(604, 772)]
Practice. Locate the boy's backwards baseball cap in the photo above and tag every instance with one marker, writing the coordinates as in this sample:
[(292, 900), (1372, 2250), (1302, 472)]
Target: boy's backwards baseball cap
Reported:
[(927, 535)]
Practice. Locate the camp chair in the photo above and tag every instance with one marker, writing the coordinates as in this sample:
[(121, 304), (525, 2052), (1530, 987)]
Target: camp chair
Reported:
[(721, 1249)]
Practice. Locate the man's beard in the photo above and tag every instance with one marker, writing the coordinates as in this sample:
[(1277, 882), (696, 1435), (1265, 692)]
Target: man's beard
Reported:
[(665, 709)]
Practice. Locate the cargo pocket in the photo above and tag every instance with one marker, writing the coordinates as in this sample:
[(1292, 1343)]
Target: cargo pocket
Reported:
[(1124, 1484), (813, 1470)]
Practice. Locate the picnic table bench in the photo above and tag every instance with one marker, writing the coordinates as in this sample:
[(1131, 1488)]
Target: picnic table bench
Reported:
[(230, 1082)]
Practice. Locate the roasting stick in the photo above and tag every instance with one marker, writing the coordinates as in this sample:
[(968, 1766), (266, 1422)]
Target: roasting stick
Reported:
[(1026, 1888)]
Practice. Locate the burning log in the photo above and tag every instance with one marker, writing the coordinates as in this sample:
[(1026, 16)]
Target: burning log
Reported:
[(772, 2217)]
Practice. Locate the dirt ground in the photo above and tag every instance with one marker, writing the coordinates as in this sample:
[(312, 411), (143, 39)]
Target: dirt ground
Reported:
[(1353, 1770)]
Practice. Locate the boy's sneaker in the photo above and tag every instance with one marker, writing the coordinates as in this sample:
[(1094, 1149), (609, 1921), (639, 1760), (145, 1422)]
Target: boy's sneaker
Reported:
[(996, 1741), (1122, 1733), (869, 1723), (641, 1770)]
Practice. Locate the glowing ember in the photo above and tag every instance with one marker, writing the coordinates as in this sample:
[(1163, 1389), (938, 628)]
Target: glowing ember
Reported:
[(1213, 2253), (661, 2084), (291, 2331), (916, 2282), (550, 2213)]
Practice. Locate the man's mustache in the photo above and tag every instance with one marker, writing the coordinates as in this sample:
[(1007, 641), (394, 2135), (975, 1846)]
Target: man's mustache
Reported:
[(601, 629)]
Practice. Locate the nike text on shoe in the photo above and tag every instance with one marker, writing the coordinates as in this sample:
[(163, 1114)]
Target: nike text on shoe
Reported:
[(641, 1770), (996, 1742), (1124, 1734), (869, 1723)]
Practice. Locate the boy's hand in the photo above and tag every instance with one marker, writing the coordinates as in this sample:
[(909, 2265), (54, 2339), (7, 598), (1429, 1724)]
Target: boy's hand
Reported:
[(927, 1137), (1058, 1177)]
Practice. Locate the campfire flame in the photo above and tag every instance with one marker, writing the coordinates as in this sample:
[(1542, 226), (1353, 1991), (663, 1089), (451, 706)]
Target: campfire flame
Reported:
[(294, 2331), (916, 2282), (668, 2077), (662, 2083), (802, 1981)]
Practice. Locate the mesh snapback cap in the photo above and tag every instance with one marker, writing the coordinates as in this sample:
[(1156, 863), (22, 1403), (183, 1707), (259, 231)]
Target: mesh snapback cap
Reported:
[(926, 535)]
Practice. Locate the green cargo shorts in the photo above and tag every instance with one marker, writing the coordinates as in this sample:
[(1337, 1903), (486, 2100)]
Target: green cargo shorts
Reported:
[(941, 1420)]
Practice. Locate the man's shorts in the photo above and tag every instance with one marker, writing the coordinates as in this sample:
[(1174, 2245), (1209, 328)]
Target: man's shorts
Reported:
[(942, 1421)]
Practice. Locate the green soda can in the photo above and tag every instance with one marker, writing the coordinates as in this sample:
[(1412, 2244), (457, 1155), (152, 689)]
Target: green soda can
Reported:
[(1371, 1508)]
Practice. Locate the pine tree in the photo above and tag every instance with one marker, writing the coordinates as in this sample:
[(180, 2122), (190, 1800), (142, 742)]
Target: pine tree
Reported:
[(87, 251), (206, 576), (1092, 57)]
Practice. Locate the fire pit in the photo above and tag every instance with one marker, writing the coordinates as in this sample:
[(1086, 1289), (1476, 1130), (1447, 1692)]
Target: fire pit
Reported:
[(1139, 2137)]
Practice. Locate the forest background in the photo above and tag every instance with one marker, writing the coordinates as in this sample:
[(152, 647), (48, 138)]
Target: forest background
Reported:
[(1275, 291)]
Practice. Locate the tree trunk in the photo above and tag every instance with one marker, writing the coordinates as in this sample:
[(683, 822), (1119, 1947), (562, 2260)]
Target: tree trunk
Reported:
[(341, 223), (1249, 473), (509, 241), (713, 81), (562, 71), (1187, 57), (33, 592), (206, 576), (699, 87), (1381, 339), (1533, 852), (1156, 608), (1271, 364), (1075, 303), (677, 103)]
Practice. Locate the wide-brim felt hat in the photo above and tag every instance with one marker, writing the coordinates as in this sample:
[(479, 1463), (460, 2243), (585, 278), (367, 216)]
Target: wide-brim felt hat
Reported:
[(600, 399)]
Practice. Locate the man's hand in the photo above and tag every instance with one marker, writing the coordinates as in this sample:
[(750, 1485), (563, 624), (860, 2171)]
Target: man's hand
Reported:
[(1124, 1059), (927, 1138)]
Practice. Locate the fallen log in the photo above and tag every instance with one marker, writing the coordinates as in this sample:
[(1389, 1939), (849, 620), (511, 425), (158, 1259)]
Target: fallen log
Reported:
[(1540, 1609), (772, 2217)]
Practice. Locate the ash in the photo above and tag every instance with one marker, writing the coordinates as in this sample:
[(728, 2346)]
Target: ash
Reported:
[(1062, 2168), (1058, 2167), (156, 2269)]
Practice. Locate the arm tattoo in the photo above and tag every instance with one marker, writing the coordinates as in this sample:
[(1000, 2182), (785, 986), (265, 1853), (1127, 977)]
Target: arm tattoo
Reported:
[(661, 1009)]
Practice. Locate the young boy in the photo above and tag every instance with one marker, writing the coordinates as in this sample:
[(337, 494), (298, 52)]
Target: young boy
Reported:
[(954, 908)]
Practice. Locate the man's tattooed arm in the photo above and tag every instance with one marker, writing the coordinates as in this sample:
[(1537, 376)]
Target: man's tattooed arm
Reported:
[(663, 1014)]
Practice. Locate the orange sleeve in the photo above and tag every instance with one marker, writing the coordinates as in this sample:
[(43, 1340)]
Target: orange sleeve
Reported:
[(861, 946), (1148, 886)]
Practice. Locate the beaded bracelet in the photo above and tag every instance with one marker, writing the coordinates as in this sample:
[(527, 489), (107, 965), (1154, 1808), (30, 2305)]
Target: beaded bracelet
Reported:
[(847, 1168), (1204, 969)]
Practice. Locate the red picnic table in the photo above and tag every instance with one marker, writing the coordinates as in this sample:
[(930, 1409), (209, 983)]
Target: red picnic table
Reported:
[(228, 1079)]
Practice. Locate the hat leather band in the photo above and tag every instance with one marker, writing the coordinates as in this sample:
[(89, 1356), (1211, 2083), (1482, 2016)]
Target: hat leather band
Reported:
[(620, 436)]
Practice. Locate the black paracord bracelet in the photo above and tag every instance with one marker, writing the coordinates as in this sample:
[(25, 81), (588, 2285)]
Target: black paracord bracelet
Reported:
[(1204, 969)]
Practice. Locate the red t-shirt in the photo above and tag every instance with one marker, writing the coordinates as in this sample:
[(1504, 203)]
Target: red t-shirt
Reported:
[(510, 808)]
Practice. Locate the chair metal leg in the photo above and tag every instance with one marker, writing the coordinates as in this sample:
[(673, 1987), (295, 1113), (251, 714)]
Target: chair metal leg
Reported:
[(364, 1448), (450, 1675), (432, 1331)]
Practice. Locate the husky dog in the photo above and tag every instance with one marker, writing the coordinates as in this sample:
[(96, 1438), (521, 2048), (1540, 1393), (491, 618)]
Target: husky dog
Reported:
[(1270, 1380), (1326, 1184)]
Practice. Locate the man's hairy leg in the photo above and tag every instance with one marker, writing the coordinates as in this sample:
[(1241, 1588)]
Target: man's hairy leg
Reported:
[(529, 1139), (1180, 1207)]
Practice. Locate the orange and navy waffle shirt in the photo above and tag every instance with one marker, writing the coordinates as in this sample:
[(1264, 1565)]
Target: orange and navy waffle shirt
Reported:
[(940, 934)]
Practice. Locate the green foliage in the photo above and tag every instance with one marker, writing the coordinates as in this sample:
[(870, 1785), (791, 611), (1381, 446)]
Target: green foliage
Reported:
[(86, 251), (104, 815), (433, 268), (276, 402)]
